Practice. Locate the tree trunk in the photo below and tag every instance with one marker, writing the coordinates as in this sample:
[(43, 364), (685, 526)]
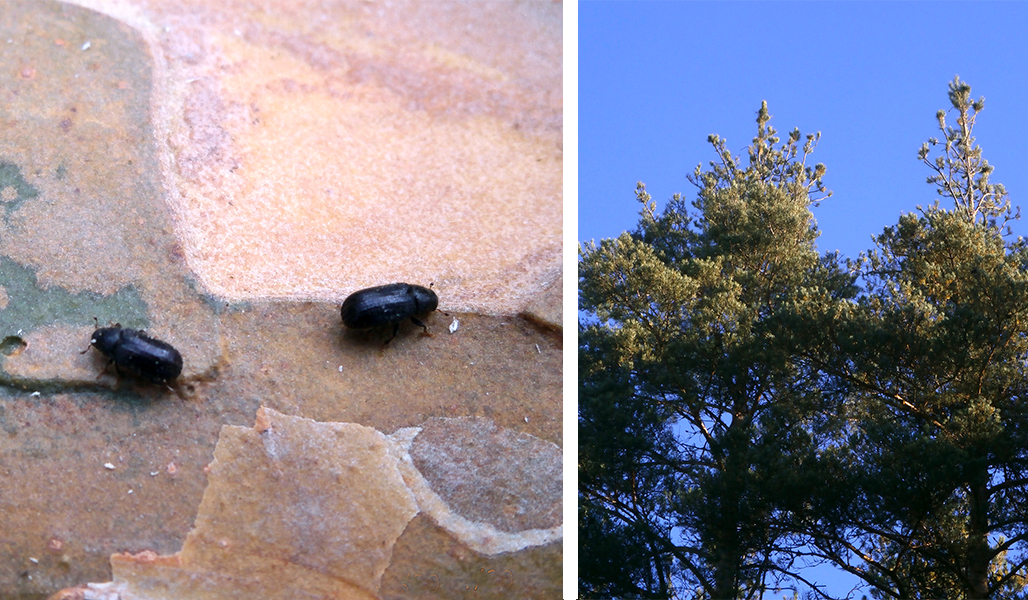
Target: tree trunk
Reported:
[(726, 579), (729, 550), (979, 554)]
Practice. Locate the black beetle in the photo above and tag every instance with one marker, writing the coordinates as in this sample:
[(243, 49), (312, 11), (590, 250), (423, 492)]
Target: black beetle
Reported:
[(137, 353), (388, 305)]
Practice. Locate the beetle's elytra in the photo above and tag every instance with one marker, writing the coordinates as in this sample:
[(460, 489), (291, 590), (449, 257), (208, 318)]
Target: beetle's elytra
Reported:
[(133, 351), (388, 305)]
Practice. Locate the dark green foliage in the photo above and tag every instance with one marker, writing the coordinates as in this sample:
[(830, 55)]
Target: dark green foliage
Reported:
[(745, 407), (935, 357), (693, 417)]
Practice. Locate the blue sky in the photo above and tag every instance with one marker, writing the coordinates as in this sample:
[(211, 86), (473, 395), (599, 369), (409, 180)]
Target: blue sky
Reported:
[(655, 79)]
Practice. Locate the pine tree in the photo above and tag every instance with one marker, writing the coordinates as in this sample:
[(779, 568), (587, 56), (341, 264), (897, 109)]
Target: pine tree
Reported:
[(696, 417), (936, 357)]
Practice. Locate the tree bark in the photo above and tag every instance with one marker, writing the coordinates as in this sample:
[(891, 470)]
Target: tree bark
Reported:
[(979, 554)]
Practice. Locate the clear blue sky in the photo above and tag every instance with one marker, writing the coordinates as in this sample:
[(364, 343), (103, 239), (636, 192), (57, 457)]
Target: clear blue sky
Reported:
[(655, 79)]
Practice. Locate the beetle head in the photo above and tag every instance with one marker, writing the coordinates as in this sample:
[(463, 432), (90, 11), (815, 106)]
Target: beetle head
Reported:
[(425, 299), (105, 339)]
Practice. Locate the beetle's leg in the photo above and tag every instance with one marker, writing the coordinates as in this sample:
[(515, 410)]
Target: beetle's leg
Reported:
[(417, 322), (396, 329), (104, 370)]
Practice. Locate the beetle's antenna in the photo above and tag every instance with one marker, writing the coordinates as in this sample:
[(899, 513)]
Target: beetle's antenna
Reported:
[(92, 340)]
